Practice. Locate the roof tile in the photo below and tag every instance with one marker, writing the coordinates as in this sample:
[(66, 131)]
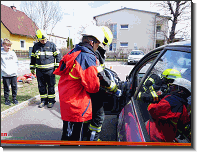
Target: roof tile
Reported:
[(17, 22)]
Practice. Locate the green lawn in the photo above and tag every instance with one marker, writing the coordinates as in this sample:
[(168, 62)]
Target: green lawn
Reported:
[(25, 92)]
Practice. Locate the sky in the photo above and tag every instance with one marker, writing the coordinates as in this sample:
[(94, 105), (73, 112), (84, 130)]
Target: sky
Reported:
[(81, 13)]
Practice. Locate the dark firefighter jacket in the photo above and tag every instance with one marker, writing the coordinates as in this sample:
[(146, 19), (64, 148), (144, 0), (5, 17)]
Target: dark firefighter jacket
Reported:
[(45, 56), (151, 86), (167, 116), (78, 71)]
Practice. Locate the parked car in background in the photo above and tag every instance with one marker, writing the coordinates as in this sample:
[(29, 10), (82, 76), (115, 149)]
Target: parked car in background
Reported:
[(135, 56)]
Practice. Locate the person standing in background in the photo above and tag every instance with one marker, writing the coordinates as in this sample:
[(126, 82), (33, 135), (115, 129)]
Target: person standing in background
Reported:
[(9, 66)]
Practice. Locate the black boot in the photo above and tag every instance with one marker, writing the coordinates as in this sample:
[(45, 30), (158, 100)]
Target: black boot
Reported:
[(43, 103)]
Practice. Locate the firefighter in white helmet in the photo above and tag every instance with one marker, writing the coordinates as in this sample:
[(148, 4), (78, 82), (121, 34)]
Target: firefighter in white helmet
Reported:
[(45, 57), (95, 125)]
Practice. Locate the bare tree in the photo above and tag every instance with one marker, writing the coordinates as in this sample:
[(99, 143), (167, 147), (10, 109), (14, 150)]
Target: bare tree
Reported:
[(180, 11), (46, 14)]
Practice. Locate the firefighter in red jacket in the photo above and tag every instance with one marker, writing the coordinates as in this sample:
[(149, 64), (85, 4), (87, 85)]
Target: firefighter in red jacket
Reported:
[(170, 114), (98, 114), (78, 70), (45, 58)]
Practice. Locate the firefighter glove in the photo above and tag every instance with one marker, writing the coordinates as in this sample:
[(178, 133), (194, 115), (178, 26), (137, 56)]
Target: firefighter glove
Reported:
[(33, 71)]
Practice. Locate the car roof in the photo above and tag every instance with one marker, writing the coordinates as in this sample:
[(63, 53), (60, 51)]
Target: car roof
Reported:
[(181, 43)]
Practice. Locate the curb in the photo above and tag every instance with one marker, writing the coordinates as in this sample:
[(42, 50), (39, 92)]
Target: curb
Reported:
[(22, 105)]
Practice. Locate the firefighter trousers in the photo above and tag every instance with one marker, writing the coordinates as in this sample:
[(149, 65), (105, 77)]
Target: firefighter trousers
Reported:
[(46, 84), (72, 131), (92, 128)]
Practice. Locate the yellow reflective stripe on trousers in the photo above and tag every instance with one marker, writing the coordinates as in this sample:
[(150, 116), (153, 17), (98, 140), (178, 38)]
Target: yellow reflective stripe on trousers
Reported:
[(45, 66), (51, 96), (94, 128), (43, 96)]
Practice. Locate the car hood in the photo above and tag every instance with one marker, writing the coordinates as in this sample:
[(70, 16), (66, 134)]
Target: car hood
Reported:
[(136, 56)]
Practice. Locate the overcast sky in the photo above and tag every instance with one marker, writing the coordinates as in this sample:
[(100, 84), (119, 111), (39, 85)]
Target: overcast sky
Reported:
[(77, 13)]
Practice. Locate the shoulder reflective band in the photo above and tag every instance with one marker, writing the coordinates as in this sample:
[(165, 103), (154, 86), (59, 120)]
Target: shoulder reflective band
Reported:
[(154, 94), (45, 66), (56, 52), (99, 68), (150, 79), (71, 74), (94, 128), (43, 96)]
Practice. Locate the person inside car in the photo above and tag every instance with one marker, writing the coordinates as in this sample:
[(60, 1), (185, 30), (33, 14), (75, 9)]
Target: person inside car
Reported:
[(170, 114), (156, 87)]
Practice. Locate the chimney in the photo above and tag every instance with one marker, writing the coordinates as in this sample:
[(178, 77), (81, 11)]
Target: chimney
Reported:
[(13, 7)]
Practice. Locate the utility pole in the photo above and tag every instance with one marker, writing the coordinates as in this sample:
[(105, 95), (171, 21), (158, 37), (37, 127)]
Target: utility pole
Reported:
[(69, 36)]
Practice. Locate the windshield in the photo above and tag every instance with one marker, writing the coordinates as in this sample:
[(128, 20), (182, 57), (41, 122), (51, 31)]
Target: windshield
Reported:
[(177, 60), (137, 53)]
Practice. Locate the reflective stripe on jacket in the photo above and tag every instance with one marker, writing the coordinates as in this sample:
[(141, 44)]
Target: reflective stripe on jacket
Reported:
[(45, 56), (78, 71)]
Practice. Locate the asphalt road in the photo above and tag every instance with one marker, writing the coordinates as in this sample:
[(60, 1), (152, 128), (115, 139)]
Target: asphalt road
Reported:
[(33, 123)]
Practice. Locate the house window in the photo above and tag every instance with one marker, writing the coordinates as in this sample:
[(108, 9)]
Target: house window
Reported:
[(63, 43), (22, 44), (112, 47), (158, 28), (113, 28), (60, 41), (124, 44), (51, 40), (124, 26)]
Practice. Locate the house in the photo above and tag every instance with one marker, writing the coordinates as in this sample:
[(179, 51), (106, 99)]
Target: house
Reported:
[(134, 29), (18, 27), (60, 42)]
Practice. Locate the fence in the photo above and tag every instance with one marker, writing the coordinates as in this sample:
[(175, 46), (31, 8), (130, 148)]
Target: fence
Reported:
[(22, 53), (118, 54)]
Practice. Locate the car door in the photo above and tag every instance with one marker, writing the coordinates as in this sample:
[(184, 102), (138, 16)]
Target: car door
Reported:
[(177, 57)]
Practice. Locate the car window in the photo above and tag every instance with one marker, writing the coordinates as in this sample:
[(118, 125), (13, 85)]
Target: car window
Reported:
[(137, 53), (177, 60)]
